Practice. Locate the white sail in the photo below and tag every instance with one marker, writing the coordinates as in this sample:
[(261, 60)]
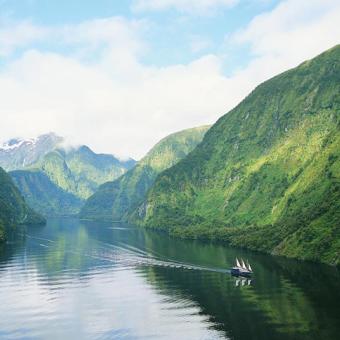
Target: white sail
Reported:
[(237, 263), (244, 265), (249, 268)]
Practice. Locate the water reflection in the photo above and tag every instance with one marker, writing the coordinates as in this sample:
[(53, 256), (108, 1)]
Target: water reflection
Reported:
[(242, 282), (94, 280)]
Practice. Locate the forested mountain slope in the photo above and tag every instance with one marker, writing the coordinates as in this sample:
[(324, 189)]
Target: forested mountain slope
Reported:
[(80, 170), (73, 173), (13, 209), (267, 174), (113, 200), (45, 196)]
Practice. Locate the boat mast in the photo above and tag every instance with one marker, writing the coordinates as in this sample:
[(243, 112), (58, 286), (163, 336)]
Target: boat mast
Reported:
[(244, 265), (237, 263)]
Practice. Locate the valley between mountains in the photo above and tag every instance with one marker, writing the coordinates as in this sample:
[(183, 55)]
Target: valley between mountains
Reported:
[(265, 176)]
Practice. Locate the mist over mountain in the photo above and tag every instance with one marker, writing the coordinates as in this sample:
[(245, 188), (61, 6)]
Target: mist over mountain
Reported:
[(54, 177), (19, 153)]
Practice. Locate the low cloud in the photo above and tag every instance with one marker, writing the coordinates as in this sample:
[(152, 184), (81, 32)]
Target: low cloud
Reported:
[(87, 105)]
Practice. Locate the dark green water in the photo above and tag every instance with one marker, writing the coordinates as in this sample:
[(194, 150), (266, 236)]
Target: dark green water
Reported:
[(77, 280)]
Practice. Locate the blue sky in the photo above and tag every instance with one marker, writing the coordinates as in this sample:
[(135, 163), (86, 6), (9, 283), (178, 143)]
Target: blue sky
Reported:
[(120, 75), (172, 32)]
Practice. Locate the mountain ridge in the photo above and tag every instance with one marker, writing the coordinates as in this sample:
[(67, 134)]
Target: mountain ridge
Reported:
[(74, 173), (266, 175), (19, 153), (113, 200)]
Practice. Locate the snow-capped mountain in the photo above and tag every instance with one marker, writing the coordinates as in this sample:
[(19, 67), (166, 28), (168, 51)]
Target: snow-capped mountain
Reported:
[(20, 153), (50, 175)]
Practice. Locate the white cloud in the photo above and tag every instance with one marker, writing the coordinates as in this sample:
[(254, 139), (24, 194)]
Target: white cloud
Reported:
[(114, 31), (19, 35), (115, 103), (91, 35), (44, 91), (292, 32), (191, 6)]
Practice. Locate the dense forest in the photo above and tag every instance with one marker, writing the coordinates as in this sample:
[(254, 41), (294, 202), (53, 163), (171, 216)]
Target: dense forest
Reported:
[(267, 174), (13, 209), (116, 200)]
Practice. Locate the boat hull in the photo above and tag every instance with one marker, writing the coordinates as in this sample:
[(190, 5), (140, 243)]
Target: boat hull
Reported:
[(240, 272)]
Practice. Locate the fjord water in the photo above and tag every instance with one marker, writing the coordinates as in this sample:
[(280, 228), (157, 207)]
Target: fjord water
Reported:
[(90, 280)]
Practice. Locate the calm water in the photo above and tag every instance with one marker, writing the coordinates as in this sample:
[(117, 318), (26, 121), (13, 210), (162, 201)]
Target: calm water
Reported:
[(77, 280)]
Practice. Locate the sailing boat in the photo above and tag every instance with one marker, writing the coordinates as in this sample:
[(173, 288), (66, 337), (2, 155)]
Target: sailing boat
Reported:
[(241, 269)]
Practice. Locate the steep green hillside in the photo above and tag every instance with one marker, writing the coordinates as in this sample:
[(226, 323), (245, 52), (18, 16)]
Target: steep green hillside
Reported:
[(13, 209), (114, 199), (267, 174), (73, 173), (80, 171), (43, 195), (57, 170), (93, 169), (61, 180)]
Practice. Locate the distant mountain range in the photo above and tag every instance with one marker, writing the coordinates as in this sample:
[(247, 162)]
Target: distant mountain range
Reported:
[(115, 200), (56, 180), (21, 153)]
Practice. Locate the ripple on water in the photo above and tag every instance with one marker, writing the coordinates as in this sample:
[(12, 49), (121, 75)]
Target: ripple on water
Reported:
[(71, 280)]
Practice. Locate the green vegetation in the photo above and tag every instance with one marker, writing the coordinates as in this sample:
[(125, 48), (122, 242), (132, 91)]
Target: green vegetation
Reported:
[(80, 171), (60, 181), (45, 196), (267, 175), (13, 209), (113, 200)]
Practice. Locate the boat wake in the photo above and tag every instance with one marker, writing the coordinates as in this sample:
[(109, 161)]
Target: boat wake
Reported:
[(125, 255)]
